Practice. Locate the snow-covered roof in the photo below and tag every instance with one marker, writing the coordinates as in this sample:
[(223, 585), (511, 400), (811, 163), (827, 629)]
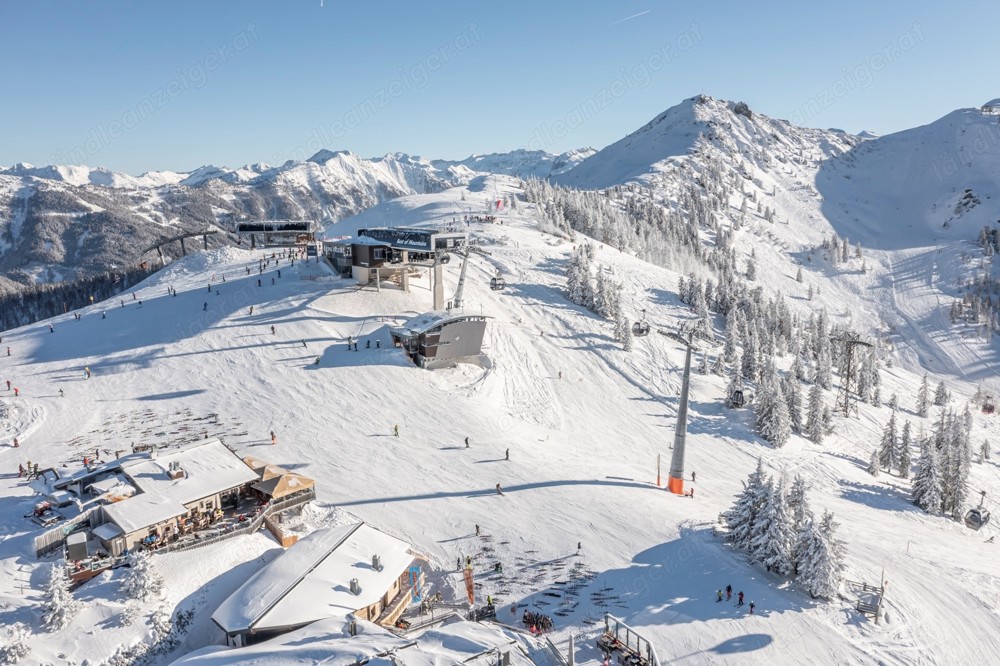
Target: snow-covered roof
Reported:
[(428, 320), (278, 486), (104, 485), (209, 467), (107, 532), (311, 580)]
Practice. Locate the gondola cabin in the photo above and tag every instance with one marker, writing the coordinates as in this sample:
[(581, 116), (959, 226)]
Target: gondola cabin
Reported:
[(988, 406), (977, 518), (497, 283), (640, 329), (737, 399)]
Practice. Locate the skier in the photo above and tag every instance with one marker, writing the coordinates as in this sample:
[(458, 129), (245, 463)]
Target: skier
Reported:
[(378, 344), (368, 344), (8, 351), (506, 455), (251, 310), (692, 477), (752, 605), (104, 315), (304, 344), (205, 307), (739, 598), (560, 374), (61, 394), (133, 295), (274, 438), (51, 329), (489, 600), (17, 444), (579, 546), (355, 346), (258, 282), (499, 492), (718, 596), (272, 330), (729, 592), (395, 430), (272, 281), (17, 391), (466, 442), (477, 529), (210, 287), (86, 372), (279, 273), (8, 384), (20, 470)]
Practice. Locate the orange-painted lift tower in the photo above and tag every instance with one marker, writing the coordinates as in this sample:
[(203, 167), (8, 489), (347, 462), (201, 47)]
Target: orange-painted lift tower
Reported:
[(675, 483)]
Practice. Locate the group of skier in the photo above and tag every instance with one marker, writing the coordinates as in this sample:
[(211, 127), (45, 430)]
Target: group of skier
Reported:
[(537, 623), (729, 596)]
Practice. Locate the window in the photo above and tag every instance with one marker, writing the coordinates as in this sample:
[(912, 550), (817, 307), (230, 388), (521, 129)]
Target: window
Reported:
[(378, 254)]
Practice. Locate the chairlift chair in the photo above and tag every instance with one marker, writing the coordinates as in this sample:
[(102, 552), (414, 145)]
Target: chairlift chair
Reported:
[(977, 518), (497, 283), (641, 327), (988, 406)]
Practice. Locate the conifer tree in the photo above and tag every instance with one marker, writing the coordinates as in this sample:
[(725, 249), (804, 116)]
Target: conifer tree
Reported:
[(984, 450), (923, 403), (874, 463), (821, 558), (904, 457), (59, 605), (793, 394), (887, 449), (741, 516), (143, 581), (815, 429), (941, 395), (927, 483), (773, 532), (627, 340)]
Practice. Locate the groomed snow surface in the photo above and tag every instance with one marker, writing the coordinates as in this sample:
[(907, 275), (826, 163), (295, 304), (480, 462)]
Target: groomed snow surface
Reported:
[(582, 468)]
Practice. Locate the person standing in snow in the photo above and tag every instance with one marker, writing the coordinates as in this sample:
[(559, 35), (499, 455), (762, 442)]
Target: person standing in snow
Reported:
[(466, 442), (752, 606), (251, 310), (86, 372), (52, 328), (205, 307), (718, 596), (8, 384), (506, 455), (477, 529), (395, 430), (62, 394), (692, 477), (272, 330), (729, 592), (739, 598), (274, 438), (499, 491)]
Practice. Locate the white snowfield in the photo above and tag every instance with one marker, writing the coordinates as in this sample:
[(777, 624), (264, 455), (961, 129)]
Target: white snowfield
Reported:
[(583, 421)]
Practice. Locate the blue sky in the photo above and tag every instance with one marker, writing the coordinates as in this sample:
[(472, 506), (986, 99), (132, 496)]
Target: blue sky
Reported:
[(141, 86)]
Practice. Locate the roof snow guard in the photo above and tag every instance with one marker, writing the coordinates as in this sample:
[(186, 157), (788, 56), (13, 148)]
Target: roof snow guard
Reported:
[(312, 580)]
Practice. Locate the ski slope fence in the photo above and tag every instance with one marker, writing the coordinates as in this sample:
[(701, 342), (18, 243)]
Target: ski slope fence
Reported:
[(54, 539), (642, 647)]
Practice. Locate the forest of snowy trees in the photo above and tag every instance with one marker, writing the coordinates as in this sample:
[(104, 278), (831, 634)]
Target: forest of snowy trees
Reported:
[(48, 300), (773, 524)]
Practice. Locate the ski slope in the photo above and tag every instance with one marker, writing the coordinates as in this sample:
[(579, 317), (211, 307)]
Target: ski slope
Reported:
[(582, 466)]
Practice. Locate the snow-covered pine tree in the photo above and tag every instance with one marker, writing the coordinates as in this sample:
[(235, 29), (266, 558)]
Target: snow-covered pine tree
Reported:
[(16, 645), (59, 605), (821, 558), (735, 383), (824, 367), (719, 367), (729, 347), (979, 396), (771, 410), (751, 355), (984, 450), (874, 463), (144, 581), (575, 278), (703, 367), (793, 395), (887, 449), (587, 295), (741, 516), (751, 270), (815, 428), (627, 340), (773, 532), (798, 275), (903, 459), (941, 395), (602, 295), (893, 402), (927, 484), (923, 403)]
